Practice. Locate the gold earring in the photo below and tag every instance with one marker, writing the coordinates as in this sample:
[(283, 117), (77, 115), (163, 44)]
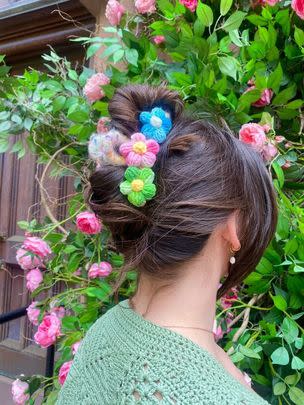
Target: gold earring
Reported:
[(233, 251)]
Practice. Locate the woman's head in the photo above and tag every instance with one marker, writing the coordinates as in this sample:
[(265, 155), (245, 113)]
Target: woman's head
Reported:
[(203, 176)]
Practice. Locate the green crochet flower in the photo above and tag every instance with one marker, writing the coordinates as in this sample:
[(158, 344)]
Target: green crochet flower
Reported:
[(138, 185)]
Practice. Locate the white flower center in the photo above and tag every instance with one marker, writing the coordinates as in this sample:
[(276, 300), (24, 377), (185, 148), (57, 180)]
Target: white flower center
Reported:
[(156, 121)]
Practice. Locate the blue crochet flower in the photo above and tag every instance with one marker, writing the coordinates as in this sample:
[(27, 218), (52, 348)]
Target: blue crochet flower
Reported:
[(155, 124)]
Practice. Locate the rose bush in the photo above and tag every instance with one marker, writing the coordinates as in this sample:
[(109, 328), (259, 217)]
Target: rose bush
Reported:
[(239, 64)]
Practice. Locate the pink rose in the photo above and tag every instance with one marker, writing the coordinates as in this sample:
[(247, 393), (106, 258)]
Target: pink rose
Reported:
[(279, 138), (76, 346), (102, 125), (217, 331), (87, 222), (114, 12), (190, 4), (92, 89), (158, 39), (286, 165), (145, 6), (265, 98), (269, 2), (269, 152), (37, 246), (64, 371), (33, 313), (103, 269), (288, 145), (247, 379), (58, 311), (27, 260), (19, 389), (48, 331), (229, 297), (254, 135), (298, 6), (33, 279)]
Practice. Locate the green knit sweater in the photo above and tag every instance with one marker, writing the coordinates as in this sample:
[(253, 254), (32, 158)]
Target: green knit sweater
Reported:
[(125, 359)]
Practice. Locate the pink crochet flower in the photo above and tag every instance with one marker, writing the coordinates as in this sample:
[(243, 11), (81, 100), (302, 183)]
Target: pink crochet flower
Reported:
[(19, 389), (33, 313), (190, 4), (114, 12), (254, 135), (87, 222), (26, 260), (64, 371), (33, 279), (139, 152), (92, 89), (48, 331), (159, 39), (37, 246), (298, 6), (145, 6), (265, 98), (102, 269)]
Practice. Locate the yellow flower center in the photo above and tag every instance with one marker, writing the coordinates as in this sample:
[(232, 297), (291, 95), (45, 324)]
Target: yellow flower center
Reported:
[(140, 147), (137, 185)]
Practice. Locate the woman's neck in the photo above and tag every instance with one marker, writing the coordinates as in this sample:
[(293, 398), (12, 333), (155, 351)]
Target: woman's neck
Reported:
[(188, 301)]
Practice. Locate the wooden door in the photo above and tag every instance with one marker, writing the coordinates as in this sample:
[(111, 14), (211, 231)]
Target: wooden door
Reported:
[(23, 38)]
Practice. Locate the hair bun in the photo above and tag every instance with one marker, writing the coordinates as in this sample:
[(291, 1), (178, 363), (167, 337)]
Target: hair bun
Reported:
[(129, 101)]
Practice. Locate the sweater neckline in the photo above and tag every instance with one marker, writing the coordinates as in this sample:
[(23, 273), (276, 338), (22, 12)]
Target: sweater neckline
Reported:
[(134, 318)]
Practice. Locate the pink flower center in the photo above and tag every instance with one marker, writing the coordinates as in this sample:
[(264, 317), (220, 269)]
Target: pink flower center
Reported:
[(137, 185), (139, 147)]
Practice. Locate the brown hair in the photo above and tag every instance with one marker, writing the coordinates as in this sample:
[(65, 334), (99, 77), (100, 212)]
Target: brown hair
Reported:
[(203, 174)]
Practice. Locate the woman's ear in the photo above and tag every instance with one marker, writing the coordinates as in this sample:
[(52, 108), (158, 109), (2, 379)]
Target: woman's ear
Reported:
[(230, 232)]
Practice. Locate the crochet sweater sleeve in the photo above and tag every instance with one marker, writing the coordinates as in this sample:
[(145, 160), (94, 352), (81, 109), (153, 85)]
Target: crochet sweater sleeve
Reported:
[(126, 360)]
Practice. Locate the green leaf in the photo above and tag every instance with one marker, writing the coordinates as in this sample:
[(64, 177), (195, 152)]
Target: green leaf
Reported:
[(4, 115), (69, 322), (132, 56), (234, 21), (5, 126), (297, 363), (100, 293), (295, 104), (285, 95), (298, 269), (74, 262), (28, 123), (4, 145), (236, 357), (118, 55), (291, 246), (204, 14), (110, 50), (292, 379), (249, 352), (296, 395), (228, 66), (279, 302), (279, 172), (92, 49), (279, 388), (275, 79), (290, 330), (280, 356), (299, 36), (264, 266), (225, 6), (79, 114), (58, 103)]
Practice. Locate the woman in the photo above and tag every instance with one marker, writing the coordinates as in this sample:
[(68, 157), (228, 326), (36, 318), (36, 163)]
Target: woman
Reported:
[(208, 215)]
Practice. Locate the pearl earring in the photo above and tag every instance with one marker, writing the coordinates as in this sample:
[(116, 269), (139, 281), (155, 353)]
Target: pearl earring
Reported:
[(233, 251)]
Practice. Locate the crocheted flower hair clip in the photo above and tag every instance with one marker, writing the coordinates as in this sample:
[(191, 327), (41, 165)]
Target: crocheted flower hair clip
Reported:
[(138, 153)]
